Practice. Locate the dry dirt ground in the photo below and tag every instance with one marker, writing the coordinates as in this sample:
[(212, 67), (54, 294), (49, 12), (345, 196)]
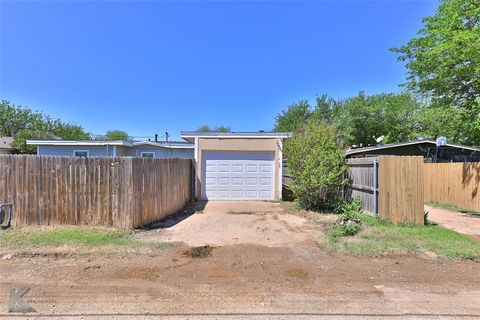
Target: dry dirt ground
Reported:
[(461, 222), (265, 264), (221, 223)]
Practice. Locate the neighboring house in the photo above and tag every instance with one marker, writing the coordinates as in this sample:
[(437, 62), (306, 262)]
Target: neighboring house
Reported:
[(92, 148), (238, 165), (425, 148), (6, 145)]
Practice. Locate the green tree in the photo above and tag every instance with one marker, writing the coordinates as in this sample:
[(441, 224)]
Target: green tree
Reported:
[(112, 135), (434, 122), (328, 110), (316, 163), (294, 117), (367, 117), (443, 63), (22, 123), (206, 128), (222, 129), (361, 118)]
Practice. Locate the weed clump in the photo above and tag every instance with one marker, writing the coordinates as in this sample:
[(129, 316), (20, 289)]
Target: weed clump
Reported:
[(199, 252)]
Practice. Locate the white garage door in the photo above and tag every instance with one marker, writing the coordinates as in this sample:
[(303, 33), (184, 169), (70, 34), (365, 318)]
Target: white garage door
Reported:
[(235, 175)]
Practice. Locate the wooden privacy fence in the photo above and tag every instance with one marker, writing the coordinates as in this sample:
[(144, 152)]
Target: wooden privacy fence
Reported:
[(363, 183), (455, 184), (390, 187), (121, 192), (400, 181)]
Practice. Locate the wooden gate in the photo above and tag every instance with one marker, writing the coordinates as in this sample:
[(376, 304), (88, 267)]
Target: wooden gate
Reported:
[(390, 187)]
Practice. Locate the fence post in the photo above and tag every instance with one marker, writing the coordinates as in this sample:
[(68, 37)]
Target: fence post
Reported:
[(375, 187)]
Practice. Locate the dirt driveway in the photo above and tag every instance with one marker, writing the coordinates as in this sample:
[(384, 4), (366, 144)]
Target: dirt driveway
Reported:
[(265, 264), (221, 223), (460, 222)]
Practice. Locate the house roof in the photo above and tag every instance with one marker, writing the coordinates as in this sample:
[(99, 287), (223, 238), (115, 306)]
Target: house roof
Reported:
[(125, 143), (190, 135), (6, 142), (79, 143), (401, 144), (164, 144)]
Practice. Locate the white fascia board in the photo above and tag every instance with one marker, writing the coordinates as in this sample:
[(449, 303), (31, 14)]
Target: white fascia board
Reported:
[(237, 137), (79, 143), (169, 146)]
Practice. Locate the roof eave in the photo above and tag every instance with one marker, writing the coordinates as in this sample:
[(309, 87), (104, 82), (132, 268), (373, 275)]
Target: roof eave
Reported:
[(79, 143), (375, 148), (166, 145), (190, 136)]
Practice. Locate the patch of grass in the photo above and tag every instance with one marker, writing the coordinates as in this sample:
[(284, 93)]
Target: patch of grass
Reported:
[(452, 207), (36, 237), (379, 237)]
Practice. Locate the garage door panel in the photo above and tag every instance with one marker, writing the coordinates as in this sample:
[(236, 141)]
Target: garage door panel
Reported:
[(238, 181), (237, 168), (265, 194), (225, 181), (238, 175), (251, 194), (223, 168), (264, 181), (210, 181), (211, 168), (265, 168), (237, 194), (237, 156)]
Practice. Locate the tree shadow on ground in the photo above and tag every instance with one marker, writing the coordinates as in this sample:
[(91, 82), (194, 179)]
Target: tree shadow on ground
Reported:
[(174, 219)]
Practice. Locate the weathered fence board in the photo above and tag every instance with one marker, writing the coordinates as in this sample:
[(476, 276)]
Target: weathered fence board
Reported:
[(455, 184), (120, 192), (362, 175), (401, 189)]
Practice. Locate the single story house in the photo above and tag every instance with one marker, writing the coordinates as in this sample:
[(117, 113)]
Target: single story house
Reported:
[(237, 165), (425, 148), (6, 145), (94, 148)]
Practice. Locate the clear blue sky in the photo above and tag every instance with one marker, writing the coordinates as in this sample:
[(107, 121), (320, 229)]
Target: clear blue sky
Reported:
[(153, 66)]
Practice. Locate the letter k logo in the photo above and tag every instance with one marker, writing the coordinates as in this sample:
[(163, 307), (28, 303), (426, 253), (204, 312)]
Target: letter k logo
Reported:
[(16, 303)]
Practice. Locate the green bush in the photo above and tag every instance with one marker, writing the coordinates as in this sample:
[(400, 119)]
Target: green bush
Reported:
[(349, 230), (316, 163), (350, 222), (351, 210)]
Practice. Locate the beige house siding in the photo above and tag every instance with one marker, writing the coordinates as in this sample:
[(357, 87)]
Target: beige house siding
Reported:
[(239, 144)]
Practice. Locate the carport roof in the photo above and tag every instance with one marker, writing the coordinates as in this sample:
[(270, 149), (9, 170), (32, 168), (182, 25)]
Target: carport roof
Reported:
[(189, 135)]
